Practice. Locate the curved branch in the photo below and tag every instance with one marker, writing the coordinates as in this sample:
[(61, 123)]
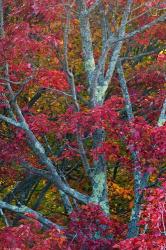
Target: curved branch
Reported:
[(10, 121), (24, 209)]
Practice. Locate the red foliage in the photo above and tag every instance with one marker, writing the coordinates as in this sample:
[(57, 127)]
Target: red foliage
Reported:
[(145, 241), (30, 235), (52, 79), (154, 211), (149, 141), (90, 228), (87, 121), (39, 124), (152, 223), (27, 40)]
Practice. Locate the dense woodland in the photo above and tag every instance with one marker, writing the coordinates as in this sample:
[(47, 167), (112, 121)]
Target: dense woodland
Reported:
[(82, 124)]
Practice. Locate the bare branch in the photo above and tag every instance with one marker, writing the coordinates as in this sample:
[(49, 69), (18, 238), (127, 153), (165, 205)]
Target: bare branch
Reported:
[(4, 217), (118, 46), (162, 117), (58, 91), (36, 97), (141, 55), (57, 181), (124, 89), (86, 39), (144, 4), (39, 150), (10, 121), (139, 181), (41, 196), (23, 84), (2, 33), (84, 156), (24, 209), (112, 39), (98, 91), (36, 171), (93, 6), (142, 14), (12, 82), (162, 18), (71, 81)]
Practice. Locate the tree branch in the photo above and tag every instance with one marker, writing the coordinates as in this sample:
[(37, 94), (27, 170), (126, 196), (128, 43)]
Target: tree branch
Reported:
[(162, 117), (2, 33), (99, 90), (86, 39), (11, 121), (93, 6), (124, 89), (162, 18), (4, 217), (24, 209), (41, 195), (71, 81), (140, 181), (141, 55)]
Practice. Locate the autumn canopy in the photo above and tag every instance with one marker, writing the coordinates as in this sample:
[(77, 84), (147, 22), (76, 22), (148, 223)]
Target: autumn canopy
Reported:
[(82, 124)]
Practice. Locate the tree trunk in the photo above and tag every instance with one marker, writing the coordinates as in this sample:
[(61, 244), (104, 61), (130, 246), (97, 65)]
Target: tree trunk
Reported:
[(99, 179), (99, 187)]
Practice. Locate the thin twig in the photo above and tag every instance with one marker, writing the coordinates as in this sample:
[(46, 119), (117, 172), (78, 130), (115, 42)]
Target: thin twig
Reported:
[(4, 217)]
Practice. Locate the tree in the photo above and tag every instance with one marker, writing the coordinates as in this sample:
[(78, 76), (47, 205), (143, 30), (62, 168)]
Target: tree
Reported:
[(93, 131)]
